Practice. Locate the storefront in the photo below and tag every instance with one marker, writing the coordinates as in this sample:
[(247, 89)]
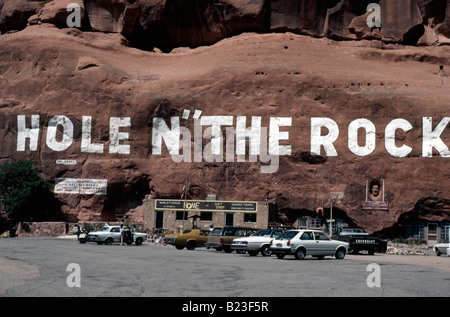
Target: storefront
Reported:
[(177, 215), (430, 232)]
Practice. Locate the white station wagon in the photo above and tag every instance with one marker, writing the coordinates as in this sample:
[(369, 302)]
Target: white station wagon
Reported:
[(301, 243), (259, 242)]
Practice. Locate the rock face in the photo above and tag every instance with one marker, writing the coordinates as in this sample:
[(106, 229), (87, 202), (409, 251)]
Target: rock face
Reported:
[(172, 23), (85, 105)]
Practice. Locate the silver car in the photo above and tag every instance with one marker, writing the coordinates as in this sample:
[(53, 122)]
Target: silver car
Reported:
[(301, 243)]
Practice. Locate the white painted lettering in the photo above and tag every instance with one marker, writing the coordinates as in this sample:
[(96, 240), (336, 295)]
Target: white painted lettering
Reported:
[(275, 136), (24, 133), (86, 136), (353, 145), (318, 140), (171, 136), (432, 138), (67, 133), (389, 138), (115, 136)]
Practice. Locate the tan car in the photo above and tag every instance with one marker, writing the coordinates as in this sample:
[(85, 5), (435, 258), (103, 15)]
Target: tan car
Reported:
[(191, 239), (222, 238)]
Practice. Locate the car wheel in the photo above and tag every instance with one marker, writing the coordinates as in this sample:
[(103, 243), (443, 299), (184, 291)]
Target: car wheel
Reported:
[(139, 241), (340, 254), (438, 253), (280, 255), (218, 249), (191, 245), (109, 241), (179, 247), (227, 250), (300, 254), (265, 251)]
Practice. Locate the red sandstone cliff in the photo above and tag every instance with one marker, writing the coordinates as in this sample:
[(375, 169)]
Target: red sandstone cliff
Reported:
[(50, 71)]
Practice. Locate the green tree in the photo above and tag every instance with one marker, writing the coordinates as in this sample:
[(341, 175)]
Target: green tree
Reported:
[(24, 195)]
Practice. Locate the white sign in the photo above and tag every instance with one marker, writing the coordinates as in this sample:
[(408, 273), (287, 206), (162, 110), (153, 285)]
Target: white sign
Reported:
[(66, 162), (81, 186)]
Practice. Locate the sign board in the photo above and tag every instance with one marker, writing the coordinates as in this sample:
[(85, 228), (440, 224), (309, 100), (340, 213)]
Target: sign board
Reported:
[(206, 205), (375, 205), (66, 162), (80, 186)]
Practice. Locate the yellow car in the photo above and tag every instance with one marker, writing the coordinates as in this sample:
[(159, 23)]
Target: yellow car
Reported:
[(191, 239)]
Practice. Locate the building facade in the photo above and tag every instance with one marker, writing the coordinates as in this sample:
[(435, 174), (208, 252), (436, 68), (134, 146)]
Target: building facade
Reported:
[(178, 215)]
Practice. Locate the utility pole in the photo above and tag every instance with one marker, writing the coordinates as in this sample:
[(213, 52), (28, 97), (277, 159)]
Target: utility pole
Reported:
[(331, 216)]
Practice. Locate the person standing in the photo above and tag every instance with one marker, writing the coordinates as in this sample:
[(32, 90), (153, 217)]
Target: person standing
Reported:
[(441, 74), (122, 233)]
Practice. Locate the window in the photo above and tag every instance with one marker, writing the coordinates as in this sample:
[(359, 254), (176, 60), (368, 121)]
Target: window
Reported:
[(307, 236), (315, 222), (445, 232), (216, 231), (240, 232), (415, 230), (288, 235), (302, 223), (321, 236), (250, 217), (275, 233), (181, 215), (206, 216)]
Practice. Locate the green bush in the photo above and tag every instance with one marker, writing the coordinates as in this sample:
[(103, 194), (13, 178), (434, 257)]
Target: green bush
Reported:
[(25, 196)]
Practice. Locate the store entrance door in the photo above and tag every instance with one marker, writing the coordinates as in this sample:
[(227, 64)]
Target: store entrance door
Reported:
[(432, 233)]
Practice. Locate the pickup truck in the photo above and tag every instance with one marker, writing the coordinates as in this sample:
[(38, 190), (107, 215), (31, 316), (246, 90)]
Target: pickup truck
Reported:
[(360, 240), (109, 234), (222, 238)]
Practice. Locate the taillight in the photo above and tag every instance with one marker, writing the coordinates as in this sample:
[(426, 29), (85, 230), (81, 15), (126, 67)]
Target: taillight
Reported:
[(271, 242), (221, 241), (288, 243)]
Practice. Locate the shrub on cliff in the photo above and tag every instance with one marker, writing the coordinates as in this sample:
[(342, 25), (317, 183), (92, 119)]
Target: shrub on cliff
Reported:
[(26, 196)]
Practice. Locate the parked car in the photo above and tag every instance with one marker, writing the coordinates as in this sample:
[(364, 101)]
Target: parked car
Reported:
[(190, 239), (257, 242), (442, 248), (171, 237), (222, 238), (110, 234), (359, 240), (301, 243)]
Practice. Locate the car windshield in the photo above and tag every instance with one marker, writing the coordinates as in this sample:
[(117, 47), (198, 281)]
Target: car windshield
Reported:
[(216, 231), (259, 233), (287, 235), (105, 229), (276, 232)]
